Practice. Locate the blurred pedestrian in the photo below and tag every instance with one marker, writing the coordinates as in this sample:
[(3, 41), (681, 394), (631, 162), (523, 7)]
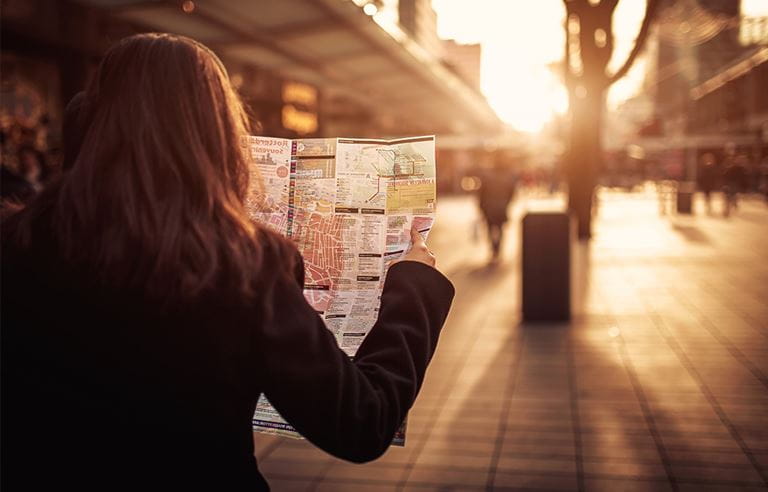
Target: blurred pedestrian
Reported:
[(734, 182), (497, 189), (143, 313), (708, 176)]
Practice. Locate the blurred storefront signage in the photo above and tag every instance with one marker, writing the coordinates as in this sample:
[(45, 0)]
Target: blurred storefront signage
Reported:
[(22, 102), (299, 108)]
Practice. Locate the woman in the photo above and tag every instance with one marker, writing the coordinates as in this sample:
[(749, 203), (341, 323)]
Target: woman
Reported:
[(143, 313)]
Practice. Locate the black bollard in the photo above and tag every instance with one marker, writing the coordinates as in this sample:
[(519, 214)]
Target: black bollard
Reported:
[(546, 271), (685, 197)]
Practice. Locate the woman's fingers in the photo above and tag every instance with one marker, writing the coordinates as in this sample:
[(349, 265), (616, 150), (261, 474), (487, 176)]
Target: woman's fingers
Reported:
[(419, 250), (416, 236)]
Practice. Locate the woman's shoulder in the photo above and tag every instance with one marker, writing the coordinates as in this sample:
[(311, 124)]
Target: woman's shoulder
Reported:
[(280, 256), (274, 244)]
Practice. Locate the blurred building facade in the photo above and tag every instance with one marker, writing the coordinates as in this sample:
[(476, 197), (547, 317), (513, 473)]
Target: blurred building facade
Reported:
[(304, 68), (419, 20), (707, 79), (464, 59)]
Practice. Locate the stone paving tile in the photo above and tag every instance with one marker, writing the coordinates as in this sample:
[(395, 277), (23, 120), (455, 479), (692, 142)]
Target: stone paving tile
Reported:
[(290, 484), (624, 485), (514, 464), (560, 447), (421, 487), (372, 472), (710, 472), (306, 470), (705, 487), (471, 430), (478, 460), (662, 370), (697, 456), (450, 446), (331, 485), (534, 481), (628, 470), (454, 476)]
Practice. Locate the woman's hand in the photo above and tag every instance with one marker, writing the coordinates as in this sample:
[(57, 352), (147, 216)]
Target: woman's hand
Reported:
[(419, 251)]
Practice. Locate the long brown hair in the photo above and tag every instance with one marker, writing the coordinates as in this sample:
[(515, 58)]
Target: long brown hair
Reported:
[(155, 197)]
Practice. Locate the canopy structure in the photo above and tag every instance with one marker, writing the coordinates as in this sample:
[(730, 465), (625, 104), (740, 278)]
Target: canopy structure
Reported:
[(332, 44)]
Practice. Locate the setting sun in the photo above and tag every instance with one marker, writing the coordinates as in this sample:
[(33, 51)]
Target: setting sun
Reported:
[(526, 98), (522, 48)]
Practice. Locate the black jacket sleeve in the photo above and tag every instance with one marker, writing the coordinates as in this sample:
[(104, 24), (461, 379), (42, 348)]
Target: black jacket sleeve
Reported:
[(352, 408)]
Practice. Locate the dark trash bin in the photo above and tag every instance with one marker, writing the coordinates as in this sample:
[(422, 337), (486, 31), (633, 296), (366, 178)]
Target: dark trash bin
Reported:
[(546, 269)]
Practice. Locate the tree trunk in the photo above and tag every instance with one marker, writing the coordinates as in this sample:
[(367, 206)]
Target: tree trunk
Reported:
[(588, 48), (585, 157)]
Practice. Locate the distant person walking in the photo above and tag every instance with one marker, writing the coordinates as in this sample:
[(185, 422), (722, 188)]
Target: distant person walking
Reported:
[(708, 179), (496, 191), (734, 182)]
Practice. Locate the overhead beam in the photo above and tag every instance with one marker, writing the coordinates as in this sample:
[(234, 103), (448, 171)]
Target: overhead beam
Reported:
[(302, 29)]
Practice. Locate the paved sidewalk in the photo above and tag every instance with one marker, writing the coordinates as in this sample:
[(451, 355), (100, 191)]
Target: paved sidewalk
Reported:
[(659, 383)]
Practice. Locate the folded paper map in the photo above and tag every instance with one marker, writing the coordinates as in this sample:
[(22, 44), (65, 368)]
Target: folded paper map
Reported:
[(348, 204)]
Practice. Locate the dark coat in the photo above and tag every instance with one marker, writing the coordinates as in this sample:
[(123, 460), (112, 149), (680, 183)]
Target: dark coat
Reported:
[(103, 389)]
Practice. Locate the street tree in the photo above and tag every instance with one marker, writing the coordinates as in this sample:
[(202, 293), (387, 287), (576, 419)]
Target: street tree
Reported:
[(588, 48)]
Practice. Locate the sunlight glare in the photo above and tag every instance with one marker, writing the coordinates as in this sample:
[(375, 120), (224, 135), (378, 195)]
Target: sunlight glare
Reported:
[(521, 42)]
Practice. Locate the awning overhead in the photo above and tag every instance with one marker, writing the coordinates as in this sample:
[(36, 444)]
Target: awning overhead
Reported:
[(331, 44)]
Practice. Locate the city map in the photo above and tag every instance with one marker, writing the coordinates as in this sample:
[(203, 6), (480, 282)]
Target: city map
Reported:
[(348, 204)]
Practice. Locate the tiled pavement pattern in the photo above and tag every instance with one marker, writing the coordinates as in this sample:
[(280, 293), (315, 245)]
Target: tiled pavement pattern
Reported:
[(659, 383)]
